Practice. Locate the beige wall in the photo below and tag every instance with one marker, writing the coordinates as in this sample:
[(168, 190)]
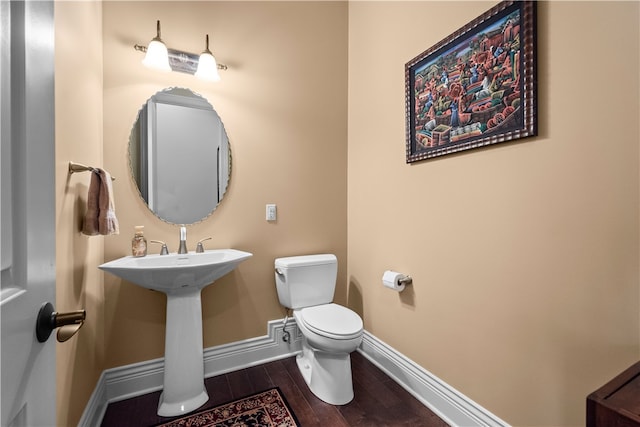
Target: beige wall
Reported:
[(78, 93), (524, 256), (283, 102)]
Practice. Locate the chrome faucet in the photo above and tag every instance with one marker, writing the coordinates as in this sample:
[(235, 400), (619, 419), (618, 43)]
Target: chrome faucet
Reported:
[(183, 240)]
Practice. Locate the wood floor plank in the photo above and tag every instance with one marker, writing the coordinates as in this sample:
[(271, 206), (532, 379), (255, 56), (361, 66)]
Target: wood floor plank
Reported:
[(353, 414), (136, 412), (260, 379), (239, 384), (413, 405)]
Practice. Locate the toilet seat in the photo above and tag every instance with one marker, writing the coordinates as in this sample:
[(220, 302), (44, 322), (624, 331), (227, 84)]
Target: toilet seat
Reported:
[(332, 321)]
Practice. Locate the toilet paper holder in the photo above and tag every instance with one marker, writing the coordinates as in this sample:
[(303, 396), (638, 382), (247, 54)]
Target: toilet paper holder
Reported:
[(406, 280), (395, 280)]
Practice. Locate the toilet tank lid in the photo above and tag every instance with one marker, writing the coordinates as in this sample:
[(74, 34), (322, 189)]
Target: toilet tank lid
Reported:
[(304, 260)]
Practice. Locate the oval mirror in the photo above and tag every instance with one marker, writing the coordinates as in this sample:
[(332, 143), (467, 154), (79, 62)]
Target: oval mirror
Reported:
[(179, 156)]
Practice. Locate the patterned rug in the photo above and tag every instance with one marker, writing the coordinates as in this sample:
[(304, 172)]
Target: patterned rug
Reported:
[(265, 409)]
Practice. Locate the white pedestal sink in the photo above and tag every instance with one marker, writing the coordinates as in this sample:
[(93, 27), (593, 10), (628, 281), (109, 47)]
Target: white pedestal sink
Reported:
[(181, 277)]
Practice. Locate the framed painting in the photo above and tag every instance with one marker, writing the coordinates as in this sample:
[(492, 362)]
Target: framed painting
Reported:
[(477, 87)]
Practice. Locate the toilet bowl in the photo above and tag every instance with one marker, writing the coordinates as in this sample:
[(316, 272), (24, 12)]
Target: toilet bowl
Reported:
[(330, 331)]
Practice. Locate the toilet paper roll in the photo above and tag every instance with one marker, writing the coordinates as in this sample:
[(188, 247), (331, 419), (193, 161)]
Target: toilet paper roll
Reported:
[(391, 280)]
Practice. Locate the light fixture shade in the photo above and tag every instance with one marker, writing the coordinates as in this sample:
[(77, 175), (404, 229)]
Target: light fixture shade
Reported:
[(207, 68), (157, 56)]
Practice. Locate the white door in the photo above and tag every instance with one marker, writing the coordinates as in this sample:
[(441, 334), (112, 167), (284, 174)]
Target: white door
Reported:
[(27, 211)]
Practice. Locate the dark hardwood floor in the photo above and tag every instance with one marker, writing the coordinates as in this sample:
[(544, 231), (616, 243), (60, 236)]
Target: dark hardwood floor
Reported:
[(379, 401)]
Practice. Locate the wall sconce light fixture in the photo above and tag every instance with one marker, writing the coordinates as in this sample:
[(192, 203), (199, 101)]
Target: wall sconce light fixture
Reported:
[(160, 57)]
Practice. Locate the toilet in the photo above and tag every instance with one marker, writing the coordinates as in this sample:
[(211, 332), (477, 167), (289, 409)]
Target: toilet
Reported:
[(306, 285)]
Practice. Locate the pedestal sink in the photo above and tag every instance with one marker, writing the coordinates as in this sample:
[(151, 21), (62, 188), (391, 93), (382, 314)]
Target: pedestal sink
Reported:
[(181, 277)]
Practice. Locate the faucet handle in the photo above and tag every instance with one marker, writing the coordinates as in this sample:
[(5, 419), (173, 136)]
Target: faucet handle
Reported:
[(199, 246), (164, 250)]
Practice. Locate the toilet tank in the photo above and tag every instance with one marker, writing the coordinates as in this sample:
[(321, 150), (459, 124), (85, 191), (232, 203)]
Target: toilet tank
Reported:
[(305, 281)]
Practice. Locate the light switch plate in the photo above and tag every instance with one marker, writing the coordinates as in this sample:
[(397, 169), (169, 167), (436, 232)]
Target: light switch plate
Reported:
[(271, 212)]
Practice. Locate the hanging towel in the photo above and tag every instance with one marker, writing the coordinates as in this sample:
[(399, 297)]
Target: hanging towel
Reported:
[(107, 221), (100, 217), (90, 225)]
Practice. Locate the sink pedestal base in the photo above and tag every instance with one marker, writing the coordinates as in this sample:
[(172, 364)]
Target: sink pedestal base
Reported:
[(184, 389)]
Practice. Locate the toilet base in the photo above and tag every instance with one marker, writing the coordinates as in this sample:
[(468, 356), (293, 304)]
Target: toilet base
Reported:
[(328, 375)]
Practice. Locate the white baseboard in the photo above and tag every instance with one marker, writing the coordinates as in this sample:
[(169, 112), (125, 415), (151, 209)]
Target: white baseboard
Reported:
[(140, 378), (446, 402), (128, 381)]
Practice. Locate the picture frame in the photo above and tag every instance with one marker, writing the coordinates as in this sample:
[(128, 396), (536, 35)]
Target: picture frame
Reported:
[(476, 87)]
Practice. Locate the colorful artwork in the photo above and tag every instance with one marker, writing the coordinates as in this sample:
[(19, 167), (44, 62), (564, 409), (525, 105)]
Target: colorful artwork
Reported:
[(475, 88)]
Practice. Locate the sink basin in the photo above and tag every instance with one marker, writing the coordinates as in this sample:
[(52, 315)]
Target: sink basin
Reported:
[(174, 272), (181, 277)]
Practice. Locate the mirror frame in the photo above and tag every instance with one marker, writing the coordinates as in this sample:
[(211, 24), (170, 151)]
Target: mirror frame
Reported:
[(135, 132)]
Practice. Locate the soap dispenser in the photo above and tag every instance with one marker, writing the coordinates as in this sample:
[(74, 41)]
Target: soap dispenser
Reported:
[(139, 243)]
